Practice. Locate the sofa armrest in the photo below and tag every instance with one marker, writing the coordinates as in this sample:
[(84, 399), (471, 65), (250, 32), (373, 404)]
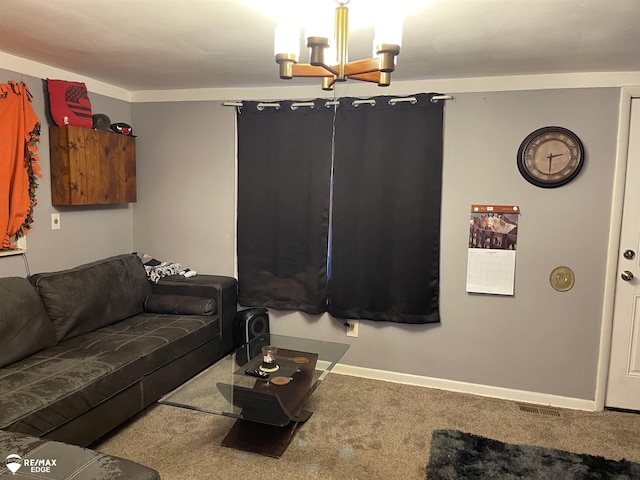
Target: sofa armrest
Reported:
[(224, 290)]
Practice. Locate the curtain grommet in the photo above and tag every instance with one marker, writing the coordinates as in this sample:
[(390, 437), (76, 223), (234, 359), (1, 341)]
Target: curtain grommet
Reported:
[(357, 103)]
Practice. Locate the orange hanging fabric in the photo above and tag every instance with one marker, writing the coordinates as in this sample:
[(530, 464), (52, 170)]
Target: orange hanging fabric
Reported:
[(19, 135)]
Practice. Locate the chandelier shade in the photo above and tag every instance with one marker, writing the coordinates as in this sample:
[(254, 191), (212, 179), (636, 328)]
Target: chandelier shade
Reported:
[(287, 39), (328, 55)]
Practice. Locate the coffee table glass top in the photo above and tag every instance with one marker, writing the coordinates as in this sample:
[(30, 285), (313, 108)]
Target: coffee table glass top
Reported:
[(225, 389)]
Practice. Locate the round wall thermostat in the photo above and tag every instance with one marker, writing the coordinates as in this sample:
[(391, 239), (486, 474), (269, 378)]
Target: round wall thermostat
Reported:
[(562, 279)]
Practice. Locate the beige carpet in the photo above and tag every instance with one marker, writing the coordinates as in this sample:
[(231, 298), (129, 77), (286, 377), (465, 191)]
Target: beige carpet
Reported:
[(362, 429)]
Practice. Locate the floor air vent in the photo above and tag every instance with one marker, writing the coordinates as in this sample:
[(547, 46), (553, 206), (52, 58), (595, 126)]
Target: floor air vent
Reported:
[(548, 411)]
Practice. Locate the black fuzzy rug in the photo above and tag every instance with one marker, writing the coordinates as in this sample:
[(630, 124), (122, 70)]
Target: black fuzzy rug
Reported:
[(457, 455)]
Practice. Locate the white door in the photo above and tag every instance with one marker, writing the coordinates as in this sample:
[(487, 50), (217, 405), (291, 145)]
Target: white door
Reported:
[(623, 386)]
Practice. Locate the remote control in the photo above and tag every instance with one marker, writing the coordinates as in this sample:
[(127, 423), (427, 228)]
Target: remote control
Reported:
[(189, 273), (256, 373)]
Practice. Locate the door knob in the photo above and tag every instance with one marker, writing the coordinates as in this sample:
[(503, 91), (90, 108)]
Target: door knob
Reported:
[(626, 275), (629, 254)]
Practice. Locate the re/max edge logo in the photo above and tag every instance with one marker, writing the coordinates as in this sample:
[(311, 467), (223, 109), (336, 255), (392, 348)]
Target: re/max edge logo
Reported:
[(35, 465)]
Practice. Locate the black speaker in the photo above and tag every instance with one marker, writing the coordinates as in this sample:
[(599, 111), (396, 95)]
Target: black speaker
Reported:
[(248, 325)]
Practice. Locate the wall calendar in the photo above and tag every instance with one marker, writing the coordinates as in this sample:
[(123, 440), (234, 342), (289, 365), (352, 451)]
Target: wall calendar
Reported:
[(493, 237)]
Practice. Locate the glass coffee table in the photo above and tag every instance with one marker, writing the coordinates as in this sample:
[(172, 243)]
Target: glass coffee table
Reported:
[(267, 399)]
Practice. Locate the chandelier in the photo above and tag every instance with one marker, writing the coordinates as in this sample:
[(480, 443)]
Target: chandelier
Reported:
[(328, 58)]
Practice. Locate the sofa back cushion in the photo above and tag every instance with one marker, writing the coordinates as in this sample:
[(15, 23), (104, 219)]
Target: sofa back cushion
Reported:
[(24, 325), (82, 299)]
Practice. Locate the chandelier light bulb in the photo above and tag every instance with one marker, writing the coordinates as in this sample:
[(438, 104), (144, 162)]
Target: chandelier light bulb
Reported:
[(388, 31), (319, 24), (287, 39)]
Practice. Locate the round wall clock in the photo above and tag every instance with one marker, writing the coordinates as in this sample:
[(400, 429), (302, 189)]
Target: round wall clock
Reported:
[(550, 157)]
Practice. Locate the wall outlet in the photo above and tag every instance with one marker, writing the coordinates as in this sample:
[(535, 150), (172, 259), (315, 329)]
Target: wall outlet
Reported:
[(352, 329), (55, 221)]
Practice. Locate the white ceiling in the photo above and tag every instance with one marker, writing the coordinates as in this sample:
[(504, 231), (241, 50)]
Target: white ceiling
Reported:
[(185, 44)]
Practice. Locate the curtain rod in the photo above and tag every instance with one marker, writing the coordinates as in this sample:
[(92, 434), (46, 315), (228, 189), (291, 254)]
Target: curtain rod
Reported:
[(329, 103)]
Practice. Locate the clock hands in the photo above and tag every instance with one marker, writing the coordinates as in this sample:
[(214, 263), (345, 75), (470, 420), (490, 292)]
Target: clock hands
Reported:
[(551, 157)]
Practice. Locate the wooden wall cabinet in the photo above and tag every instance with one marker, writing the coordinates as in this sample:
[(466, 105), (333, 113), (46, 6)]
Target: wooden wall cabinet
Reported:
[(91, 167)]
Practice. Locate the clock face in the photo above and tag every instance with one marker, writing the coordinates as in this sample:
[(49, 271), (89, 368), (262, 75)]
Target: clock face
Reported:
[(550, 157)]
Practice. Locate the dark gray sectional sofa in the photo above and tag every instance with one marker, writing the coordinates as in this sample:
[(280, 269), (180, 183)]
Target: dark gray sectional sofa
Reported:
[(83, 350), (47, 460)]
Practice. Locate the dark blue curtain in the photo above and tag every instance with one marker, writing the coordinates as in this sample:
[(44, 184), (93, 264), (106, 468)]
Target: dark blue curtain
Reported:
[(386, 210), (284, 172)]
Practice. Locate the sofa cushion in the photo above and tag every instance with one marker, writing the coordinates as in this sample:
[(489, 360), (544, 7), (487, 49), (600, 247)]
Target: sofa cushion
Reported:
[(179, 304), (57, 384), (66, 462), (25, 327), (82, 299)]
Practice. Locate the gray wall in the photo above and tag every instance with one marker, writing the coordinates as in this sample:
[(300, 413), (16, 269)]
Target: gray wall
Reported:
[(539, 340), (186, 184), (86, 233)]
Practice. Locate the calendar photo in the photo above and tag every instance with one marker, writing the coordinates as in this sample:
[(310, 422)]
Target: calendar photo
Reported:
[(493, 230)]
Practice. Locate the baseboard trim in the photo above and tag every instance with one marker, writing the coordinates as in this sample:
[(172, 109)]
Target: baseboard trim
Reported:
[(464, 387)]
